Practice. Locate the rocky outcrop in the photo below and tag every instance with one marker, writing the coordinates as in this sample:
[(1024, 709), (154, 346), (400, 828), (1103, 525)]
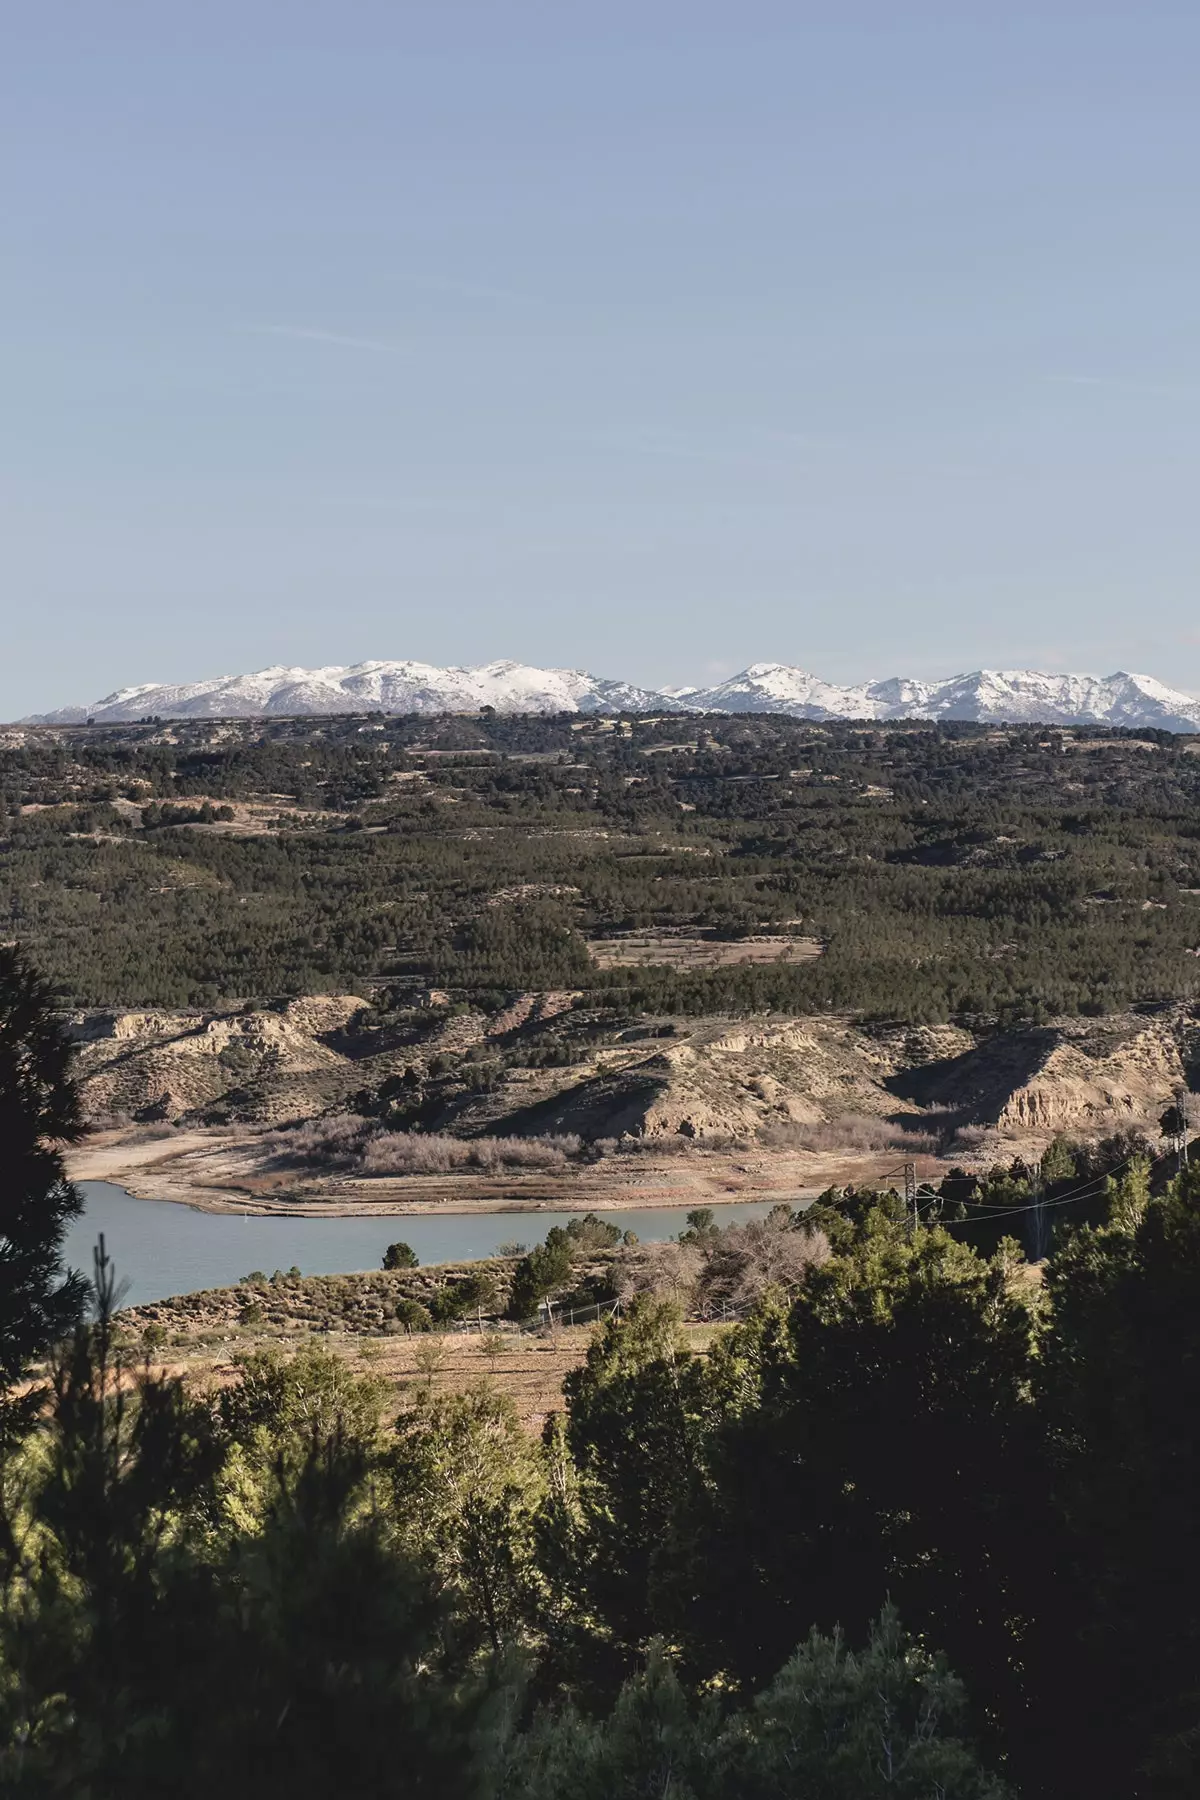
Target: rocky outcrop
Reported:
[(697, 1079), (1086, 1085), (1077, 1075), (727, 1078), (149, 1066)]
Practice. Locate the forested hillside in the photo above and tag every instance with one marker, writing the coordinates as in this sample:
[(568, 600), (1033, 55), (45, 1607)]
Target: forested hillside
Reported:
[(957, 871)]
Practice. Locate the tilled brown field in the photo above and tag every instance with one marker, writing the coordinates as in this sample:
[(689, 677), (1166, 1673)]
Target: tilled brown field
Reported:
[(530, 1367)]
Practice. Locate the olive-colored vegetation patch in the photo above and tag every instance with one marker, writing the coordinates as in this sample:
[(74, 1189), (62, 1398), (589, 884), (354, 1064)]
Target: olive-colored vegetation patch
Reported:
[(364, 1304)]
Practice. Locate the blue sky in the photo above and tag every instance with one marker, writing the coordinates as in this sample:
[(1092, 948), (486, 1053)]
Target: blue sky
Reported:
[(654, 338)]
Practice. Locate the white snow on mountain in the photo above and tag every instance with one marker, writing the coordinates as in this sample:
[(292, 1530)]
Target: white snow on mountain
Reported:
[(390, 687), (775, 687), (1002, 695)]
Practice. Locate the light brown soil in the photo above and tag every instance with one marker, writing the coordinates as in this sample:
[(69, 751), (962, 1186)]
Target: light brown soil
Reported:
[(705, 1080), (228, 1169), (530, 1368)]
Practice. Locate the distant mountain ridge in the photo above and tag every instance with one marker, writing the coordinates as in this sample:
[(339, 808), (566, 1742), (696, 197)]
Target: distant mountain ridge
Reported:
[(1000, 695)]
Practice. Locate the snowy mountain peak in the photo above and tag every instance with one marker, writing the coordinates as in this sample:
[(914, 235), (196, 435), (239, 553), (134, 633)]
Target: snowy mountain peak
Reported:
[(1000, 695)]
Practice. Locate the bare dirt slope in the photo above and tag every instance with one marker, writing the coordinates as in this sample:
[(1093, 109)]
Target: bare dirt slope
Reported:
[(307, 1057), (777, 1101), (707, 1075), (1077, 1075), (159, 1065)]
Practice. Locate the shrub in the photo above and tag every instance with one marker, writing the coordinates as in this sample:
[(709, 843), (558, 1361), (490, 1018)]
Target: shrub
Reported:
[(400, 1256), (593, 1233), (479, 1292), (543, 1272), (413, 1316), (448, 1303)]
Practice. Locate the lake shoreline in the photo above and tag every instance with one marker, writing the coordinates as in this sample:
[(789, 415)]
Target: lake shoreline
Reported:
[(224, 1170), (163, 1252)]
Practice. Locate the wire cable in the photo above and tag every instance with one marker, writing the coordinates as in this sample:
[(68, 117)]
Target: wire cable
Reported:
[(1092, 1186)]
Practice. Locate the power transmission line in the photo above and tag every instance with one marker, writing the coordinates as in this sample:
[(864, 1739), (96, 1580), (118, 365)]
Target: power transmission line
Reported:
[(1093, 1185)]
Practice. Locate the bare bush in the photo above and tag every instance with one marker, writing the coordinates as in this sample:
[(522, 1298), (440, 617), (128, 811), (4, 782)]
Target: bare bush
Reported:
[(852, 1133), (720, 1140), (347, 1142), (121, 1120), (743, 1261), (970, 1139), (733, 1266), (333, 1142), (669, 1268), (667, 1143), (112, 1119), (429, 1153), (660, 1143)]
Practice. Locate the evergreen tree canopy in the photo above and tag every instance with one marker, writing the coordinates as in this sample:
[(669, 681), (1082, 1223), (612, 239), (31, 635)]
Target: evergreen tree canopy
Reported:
[(39, 1113)]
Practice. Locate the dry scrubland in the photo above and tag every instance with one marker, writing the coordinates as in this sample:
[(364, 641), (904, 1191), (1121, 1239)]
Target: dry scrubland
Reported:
[(538, 1104), (527, 1367), (204, 1336), (530, 1367), (451, 1323)]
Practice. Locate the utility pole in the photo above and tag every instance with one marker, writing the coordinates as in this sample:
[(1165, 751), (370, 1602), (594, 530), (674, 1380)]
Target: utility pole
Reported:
[(1181, 1106), (910, 1196), (1038, 1218)]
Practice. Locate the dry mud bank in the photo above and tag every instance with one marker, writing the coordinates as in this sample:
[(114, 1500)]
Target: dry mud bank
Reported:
[(231, 1170)]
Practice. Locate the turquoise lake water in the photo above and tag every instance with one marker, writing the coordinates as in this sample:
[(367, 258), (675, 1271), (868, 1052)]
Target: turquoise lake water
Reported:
[(159, 1248)]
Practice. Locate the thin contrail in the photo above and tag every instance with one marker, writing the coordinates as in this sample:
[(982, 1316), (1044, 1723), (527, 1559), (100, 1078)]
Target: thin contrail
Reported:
[(313, 335)]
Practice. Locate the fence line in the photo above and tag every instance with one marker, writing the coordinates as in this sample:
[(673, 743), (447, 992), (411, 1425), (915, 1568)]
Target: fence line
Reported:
[(552, 1314)]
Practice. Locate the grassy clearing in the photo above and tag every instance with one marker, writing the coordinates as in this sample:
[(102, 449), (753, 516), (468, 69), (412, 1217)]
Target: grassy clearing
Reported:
[(690, 950)]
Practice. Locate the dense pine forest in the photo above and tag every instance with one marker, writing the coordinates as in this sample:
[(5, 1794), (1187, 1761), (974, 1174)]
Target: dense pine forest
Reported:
[(956, 871)]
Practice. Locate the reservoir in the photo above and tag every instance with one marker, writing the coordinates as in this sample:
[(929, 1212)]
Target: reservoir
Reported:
[(160, 1248)]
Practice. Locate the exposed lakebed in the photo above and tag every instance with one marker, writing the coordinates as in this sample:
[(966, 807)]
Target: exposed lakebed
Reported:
[(160, 1249)]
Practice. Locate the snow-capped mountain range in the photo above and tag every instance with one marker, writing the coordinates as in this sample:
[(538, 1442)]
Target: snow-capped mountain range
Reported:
[(390, 687), (1002, 695)]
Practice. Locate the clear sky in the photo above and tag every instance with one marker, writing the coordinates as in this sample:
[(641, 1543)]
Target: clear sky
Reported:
[(652, 336)]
